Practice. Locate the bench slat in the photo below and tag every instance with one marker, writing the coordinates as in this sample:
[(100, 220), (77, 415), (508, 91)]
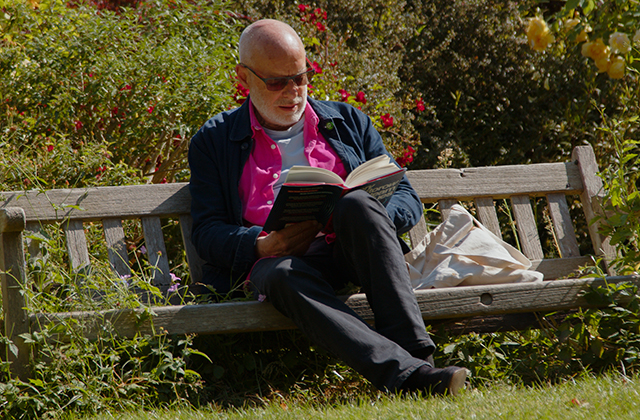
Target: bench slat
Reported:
[(76, 244), (156, 250), (496, 181), (418, 232), (445, 207), (487, 215), (563, 227), (97, 203), (591, 199), (557, 268), (526, 226), (454, 302), (193, 259), (33, 244), (116, 246), (13, 279)]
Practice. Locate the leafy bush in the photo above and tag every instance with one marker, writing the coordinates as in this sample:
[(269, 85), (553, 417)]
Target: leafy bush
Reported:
[(112, 92)]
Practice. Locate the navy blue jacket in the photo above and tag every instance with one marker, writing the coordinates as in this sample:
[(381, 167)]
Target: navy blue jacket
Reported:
[(217, 155)]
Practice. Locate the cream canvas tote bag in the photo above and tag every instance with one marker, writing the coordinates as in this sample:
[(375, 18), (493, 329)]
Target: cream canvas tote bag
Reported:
[(463, 252)]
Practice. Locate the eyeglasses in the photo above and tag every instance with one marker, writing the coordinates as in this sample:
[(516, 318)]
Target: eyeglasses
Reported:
[(275, 84)]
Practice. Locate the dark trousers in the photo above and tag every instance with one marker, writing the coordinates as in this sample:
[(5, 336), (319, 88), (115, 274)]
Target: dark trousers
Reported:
[(367, 253)]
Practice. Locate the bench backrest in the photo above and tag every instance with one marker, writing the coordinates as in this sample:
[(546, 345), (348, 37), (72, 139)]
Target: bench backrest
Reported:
[(480, 186)]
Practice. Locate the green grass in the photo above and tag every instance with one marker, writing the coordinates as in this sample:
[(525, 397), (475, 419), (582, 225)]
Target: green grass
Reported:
[(602, 397)]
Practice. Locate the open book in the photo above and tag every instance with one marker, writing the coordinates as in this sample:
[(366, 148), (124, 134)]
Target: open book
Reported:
[(312, 193)]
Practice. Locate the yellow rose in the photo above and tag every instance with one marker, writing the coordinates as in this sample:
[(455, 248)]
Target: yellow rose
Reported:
[(583, 36), (596, 50), (536, 27), (571, 23), (586, 49), (603, 64), (619, 43), (617, 68), (538, 34)]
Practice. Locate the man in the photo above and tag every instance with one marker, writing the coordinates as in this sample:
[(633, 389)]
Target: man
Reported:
[(238, 160)]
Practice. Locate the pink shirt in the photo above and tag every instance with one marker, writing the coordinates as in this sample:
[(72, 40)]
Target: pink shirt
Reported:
[(262, 170)]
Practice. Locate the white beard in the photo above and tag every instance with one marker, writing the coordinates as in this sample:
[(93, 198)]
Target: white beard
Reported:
[(271, 114)]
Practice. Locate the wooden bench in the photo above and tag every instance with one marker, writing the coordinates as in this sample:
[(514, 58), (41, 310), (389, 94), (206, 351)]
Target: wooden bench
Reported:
[(482, 308)]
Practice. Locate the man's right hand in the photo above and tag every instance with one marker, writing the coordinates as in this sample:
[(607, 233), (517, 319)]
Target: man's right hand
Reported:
[(292, 240)]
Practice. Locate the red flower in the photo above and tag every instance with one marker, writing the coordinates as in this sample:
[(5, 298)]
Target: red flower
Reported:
[(316, 67), (344, 94), (114, 111), (407, 157), (335, 63), (78, 125), (50, 148), (420, 105), (360, 97), (303, 8), (150, 109), (321, 27), (127, 87), (241, 93), (387, 120)]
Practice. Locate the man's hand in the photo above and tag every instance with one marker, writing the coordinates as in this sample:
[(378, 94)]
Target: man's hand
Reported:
[(292, 240)]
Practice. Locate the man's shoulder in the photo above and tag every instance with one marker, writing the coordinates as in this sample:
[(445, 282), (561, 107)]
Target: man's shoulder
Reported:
[(333, 109), (232, 124)]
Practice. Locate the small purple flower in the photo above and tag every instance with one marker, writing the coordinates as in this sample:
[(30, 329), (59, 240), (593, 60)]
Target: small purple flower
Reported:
[(124, 280), (262, 298), (175, 280), (143, 250)]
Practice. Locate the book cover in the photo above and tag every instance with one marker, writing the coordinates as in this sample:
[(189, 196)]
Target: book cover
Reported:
[(301, 201)]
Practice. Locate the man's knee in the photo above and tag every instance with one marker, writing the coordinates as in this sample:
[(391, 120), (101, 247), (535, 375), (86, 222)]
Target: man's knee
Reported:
[(359, 209), (271, 273), (355, 204)]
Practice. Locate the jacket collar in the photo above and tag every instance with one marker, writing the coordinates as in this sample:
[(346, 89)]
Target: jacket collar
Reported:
[(241, 128)]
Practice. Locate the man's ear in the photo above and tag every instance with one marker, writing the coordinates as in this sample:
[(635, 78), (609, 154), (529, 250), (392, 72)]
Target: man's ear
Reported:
[(241, 73)]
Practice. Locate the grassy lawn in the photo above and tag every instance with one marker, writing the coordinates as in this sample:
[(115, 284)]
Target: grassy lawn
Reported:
[(604, 397)]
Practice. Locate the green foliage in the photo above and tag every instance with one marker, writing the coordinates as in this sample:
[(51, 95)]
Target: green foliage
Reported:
[(621, 222), (111, 99), (132, 87), (592, 340)]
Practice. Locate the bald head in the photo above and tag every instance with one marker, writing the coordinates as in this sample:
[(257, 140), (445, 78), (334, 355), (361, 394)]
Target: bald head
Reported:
[(269, 39)]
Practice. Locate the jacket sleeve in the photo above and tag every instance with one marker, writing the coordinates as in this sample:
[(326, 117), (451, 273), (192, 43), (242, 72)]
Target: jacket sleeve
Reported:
[(218, 234)]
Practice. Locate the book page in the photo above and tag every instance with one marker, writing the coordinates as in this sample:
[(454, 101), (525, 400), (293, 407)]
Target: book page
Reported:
[(371, 169), (311, 175)]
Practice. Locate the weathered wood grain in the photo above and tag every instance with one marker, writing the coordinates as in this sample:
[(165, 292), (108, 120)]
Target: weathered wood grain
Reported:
[(526, 226), (76, 244), (445, 208), (116, 246), (555, 268), (496, 181), (156, 251), (591, 198), (125, 202), (487, 215), (454, 302), (13, 279), (193, 259), (563, 227)]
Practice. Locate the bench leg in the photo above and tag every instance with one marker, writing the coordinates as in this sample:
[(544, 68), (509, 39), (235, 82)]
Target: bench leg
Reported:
[(13, 278)]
